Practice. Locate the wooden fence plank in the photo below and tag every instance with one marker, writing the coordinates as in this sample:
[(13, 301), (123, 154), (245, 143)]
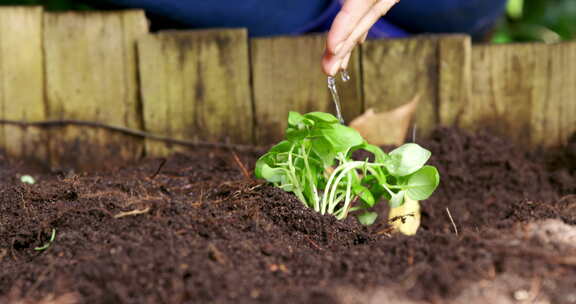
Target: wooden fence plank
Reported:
[(554, 117), (396, 70), (196, 86), (91, 75), (287, 77), (22, 81), (509, 81), (455, 65)]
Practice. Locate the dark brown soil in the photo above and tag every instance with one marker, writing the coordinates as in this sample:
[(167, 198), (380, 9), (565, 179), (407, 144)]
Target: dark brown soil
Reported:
[(200, 231)]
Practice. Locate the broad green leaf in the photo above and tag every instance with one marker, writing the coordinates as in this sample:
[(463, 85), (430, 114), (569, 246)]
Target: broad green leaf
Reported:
[(322, 117), (296, 135), (295, 119), (272, 175), (341, 138), (379, 155), (396, 199), (407, 159), (364, 194), (367, 218), (286, 184), (514, 8), (322, 149), (422, 183), (268, 158), (283, 146)]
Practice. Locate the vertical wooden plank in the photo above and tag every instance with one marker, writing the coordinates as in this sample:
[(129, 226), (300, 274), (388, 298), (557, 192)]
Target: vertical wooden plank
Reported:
[(22, 81), (351, 91), (196, 86), (554, 117), (455, 65), (91, 75), (396, 70), (287, 77), (564, 69), (508, 82)]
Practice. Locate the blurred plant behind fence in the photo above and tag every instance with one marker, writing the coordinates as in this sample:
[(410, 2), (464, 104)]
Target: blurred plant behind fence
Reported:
[(538, 20)]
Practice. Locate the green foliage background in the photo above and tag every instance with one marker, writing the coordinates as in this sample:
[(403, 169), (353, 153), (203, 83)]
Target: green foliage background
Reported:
[(526, 20), (538, 20)]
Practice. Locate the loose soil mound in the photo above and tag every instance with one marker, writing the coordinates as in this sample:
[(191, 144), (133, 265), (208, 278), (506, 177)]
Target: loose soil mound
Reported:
[(199, 231)]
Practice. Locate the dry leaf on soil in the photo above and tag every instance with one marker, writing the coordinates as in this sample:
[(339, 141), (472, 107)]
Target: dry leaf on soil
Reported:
[(386, 128)]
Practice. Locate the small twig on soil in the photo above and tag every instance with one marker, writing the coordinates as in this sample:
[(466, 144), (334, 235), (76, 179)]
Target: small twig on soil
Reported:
[(414, 133), (256, 187), (162, 163), (313, 244), (133, 212), (127, 131), (241, 165), (452, 220), (386, 231), (216, 254)]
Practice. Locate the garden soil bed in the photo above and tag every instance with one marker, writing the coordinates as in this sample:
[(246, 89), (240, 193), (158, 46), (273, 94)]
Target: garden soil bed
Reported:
[(198, 230)]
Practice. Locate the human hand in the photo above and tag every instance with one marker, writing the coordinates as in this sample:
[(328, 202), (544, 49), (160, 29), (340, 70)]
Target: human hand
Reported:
[(349, 28)]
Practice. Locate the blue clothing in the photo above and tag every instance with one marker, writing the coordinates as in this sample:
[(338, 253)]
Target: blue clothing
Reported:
[(289, 17)]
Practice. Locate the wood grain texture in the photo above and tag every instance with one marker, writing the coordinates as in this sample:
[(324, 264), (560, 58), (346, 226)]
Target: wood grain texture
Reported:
[(22, 81), (196, 86), (455, 66), (287, 77), (554, 117), (396, 70), (509, 83), (91, 75)]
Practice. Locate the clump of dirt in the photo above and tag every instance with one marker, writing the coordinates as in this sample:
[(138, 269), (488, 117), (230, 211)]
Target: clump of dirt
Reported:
[(195, 229)]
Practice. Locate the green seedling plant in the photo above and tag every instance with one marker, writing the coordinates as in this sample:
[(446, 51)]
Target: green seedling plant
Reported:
[(315, 162)]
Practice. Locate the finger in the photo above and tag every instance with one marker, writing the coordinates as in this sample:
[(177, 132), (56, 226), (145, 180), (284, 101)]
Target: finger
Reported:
[(344, 64), (363, 39), (364, 26), (347, 19), (331, 64)]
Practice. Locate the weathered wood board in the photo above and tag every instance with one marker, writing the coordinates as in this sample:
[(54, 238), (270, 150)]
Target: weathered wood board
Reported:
[(219, 86), (554, 117), (454, 78), (396, 70), (91, 74), (287, 77), (509, 85), (196, 86), (22, 81)]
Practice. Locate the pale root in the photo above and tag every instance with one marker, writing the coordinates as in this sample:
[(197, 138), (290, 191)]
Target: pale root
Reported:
[(406, 218)]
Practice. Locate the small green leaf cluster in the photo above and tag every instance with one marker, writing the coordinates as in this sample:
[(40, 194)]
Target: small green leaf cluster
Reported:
[(315, 163)]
